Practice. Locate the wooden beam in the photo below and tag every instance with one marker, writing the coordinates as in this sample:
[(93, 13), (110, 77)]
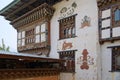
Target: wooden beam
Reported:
[(20, 8)]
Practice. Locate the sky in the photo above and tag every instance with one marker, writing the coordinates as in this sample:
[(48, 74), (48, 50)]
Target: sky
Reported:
[(7, 32)]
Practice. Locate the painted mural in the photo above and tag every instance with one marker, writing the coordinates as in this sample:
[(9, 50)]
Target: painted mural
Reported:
[(67, 11), (67, 44), (85, 22), (85, 60)]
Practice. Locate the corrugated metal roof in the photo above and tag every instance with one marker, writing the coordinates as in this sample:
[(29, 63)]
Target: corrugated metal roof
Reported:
[(25, 56)]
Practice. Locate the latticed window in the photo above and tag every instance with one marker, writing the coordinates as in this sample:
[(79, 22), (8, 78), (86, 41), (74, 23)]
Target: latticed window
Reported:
[(29, 36), (67, 27), (116, 59), (69, 64)]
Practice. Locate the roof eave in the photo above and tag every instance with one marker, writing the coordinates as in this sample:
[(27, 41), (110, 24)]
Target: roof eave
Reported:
[(9, 6)]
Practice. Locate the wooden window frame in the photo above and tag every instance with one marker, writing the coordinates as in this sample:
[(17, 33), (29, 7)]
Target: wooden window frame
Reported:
[(66, 27), (115, 54), (112, 25), (29, 36), (69, 64), (115, 23)]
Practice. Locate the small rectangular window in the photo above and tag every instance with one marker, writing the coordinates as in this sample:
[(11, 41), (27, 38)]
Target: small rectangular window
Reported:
[(117, 15), (69, 64), (67, 27), (116, 59)]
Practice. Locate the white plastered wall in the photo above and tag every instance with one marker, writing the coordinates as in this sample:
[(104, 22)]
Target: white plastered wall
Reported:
[(106, 52), (87, 37)]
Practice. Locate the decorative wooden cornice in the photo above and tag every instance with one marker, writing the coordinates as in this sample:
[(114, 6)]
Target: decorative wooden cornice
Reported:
[(11, 74), (106, 2), (43, 12)]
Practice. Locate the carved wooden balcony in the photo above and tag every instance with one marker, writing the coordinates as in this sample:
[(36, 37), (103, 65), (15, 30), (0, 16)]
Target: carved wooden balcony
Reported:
[(42, 12)]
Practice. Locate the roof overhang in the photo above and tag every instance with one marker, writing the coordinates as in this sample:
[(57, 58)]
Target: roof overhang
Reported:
[(26, 56), (19, 7)]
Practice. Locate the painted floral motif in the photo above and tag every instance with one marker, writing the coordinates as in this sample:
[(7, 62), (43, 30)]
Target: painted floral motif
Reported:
[(85, 60), (85, 22), (67, 11)]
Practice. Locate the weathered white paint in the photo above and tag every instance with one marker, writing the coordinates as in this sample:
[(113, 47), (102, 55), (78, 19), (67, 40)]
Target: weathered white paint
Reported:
[(106, 13), (106, 62), (86, 38), (67, 76), (116, 31), (106, 33), (106, 23)]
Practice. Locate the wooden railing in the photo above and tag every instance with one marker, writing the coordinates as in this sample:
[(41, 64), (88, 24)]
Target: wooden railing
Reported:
[(32, 46), (7, 74), (44, 11)]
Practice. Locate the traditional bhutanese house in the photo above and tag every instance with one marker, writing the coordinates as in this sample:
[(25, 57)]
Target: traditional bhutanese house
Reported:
[(109, 37), (64, 35)]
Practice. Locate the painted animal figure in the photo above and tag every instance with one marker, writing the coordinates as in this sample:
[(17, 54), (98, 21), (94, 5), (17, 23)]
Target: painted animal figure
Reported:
[(66, 45)]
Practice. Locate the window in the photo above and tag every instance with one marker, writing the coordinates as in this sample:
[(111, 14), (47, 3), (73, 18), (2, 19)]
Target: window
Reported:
[(34, 35), (69, 64), (21, 38), (67, 27), (41, 33), (109, 24), (29, 36), (116, 59), (117, 15)]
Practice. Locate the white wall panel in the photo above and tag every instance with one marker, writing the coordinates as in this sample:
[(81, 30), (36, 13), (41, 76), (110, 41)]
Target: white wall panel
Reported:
[(106, 13), (116, 31), (106, 23), (106, 33)]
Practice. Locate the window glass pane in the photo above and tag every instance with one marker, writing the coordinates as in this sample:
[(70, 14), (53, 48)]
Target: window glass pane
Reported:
[(23, 34), (23, 42), (19, 43), (19, 35), (37, 29), (43, 37), (37, 39), (43, 27), (117, 15)]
